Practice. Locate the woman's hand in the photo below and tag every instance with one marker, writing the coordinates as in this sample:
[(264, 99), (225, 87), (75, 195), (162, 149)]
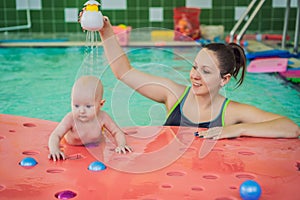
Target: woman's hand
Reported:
[(217, 133), (106, 31)]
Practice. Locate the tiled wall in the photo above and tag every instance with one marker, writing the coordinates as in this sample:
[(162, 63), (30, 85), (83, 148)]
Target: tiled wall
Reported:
[(60, 16)]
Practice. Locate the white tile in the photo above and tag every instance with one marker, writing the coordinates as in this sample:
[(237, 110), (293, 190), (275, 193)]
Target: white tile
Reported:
[(199, 3), (156, 14), (71, 14), (282, 3), (239, 11), (31, 4), (113, 4)]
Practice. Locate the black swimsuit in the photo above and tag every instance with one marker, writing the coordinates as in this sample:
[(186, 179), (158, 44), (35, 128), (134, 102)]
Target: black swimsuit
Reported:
[(177, 118)]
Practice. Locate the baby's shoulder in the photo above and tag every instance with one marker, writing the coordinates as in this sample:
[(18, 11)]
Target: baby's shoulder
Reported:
[(103, 115), (69, 118)]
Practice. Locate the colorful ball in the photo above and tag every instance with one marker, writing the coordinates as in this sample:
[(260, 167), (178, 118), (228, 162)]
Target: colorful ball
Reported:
[(250, 190), (96, 166), (28, 162)]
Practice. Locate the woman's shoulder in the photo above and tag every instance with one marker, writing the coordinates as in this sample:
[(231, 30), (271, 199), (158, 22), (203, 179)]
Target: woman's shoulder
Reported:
[(239, 105)]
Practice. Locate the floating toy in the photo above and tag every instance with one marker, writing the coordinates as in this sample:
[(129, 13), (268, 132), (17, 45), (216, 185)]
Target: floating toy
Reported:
[(67, 194), (266, 65), (92, 18), (269, 53), (291, 73), (97, 166), (250, 190), (28, 162)]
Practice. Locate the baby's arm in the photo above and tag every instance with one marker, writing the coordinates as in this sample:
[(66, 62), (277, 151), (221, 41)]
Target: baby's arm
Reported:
[(63, 127), (117, 133)]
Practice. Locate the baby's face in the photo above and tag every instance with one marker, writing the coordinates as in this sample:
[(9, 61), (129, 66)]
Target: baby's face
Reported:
[(84, 106)]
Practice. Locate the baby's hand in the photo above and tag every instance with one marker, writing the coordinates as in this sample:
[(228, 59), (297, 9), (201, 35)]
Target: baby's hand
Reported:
[(121, 142), (56, 155), (123, 149)]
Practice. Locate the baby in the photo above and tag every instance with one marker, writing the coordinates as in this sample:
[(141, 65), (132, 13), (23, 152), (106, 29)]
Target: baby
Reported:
[(85, 123)]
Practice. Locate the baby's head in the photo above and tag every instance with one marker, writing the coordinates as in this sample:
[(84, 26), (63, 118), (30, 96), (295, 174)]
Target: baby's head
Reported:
[(87, 92)]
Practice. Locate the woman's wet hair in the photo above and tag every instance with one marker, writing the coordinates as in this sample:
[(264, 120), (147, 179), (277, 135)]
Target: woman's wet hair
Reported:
[(231, 59)]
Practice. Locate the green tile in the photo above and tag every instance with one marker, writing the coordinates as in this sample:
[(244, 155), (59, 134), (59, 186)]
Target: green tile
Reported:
[(277, 24), (120, 15), (132, 15), (72, 4), (141, 2), (278, 13), (47, 4), (143, 24), (59, 4), (60, 27), (179, 3), (217, 13), (168, 14), (205, 14), (47, 14), (59, 16), (9, 3), (168, 3), (144, 14), (71, 27), (132, 3), (51, 18), (155, 3), (267, 24), (48, 27), (266, 13)]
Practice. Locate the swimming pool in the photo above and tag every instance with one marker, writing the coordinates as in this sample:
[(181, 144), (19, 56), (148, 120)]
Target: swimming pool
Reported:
[(36, 82)]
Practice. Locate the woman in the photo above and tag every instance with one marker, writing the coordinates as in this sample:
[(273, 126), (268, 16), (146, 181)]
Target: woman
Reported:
[(201, 105)]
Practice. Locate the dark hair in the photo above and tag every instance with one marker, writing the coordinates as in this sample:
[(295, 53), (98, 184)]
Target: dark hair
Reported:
[(231, 58)]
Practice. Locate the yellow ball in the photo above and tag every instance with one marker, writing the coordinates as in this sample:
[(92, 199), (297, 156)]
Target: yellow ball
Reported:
[(123, 26)]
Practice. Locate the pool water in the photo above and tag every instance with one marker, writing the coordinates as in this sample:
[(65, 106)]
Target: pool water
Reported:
[(36, 82)]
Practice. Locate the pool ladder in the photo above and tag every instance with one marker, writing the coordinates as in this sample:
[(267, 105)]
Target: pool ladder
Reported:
[(285, 27), (248, 22)]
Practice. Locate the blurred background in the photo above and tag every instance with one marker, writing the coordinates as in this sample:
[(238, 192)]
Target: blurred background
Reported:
[(58, 18)]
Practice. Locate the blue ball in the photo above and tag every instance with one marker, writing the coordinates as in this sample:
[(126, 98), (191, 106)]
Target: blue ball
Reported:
[(28, 162), (96, 166), (250, 190)]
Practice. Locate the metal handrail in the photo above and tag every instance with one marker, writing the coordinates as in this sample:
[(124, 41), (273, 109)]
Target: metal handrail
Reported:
[(239, 22), (27, 26), (285, 25), (296, 39), (242, 32)]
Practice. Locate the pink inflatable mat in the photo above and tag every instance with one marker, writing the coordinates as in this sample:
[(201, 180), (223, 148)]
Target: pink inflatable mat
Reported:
[(165, 164)]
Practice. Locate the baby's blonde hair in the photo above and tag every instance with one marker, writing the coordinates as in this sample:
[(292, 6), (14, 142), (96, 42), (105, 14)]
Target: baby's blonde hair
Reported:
[(89, 83)]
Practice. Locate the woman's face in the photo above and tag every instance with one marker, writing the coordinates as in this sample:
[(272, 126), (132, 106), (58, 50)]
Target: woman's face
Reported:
[(205, 74)]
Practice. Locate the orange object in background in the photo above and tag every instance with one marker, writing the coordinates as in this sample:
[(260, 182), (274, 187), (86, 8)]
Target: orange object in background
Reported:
[(165, 164), (186, 24)]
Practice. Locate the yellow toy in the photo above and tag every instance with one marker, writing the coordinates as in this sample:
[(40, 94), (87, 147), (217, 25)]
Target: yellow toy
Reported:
[(92, 18)]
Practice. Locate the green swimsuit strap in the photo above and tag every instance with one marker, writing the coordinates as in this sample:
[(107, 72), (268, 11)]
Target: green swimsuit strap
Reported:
[(178, 101), (223, 112)]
